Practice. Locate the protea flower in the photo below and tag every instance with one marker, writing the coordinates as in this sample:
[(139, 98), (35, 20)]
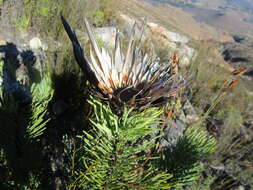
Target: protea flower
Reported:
[(132, 79)]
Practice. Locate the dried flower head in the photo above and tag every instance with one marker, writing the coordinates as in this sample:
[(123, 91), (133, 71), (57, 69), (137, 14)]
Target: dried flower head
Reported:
[(132, 79)]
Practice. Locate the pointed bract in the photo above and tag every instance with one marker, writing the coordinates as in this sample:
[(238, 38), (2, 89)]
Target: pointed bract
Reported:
[(132, 79)]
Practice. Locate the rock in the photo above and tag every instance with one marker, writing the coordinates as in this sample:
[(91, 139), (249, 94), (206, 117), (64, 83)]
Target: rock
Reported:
[(173, 131), (175, 128), (175, 37), (1, 75), (51, 44), (35, 44), (186, 54), (106, 34), (22, 66), (175, 42), (22, 75), (190, 113), (127, 18), (171, 36), (241, 187), (3, 43), (2, 55), (128, 25)]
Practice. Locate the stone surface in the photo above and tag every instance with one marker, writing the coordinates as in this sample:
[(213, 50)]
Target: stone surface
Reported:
[(106, 34), (21, 67), (128, 25), (190, 113), (3, 43), (173, 131), (186, 54), (174, 41), (36, 44), (171, 36)]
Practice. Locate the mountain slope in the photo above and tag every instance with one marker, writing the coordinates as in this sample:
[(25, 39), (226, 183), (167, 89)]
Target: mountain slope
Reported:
[(234, 16), (174, 19)]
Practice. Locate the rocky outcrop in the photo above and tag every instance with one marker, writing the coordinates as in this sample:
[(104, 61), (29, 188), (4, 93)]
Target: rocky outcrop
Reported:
[(173, 41), (36, 44), (20, 67), (107, 35), (174, 128), (171, 36)]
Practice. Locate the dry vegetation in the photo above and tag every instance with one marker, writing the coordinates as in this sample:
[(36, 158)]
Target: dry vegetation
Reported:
[(229, 122)]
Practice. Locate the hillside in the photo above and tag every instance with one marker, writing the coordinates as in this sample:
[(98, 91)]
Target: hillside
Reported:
[(113, 117), (233, 18), (243, 5), (174, 19), (225, 14)]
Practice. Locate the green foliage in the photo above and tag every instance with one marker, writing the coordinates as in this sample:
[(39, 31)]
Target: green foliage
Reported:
[(41, 14), (118, 153), (21, 125), (44, 15), (183, 160), (105, 12), (99, 17), (114, 154), (23, 22), (42, 94)]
